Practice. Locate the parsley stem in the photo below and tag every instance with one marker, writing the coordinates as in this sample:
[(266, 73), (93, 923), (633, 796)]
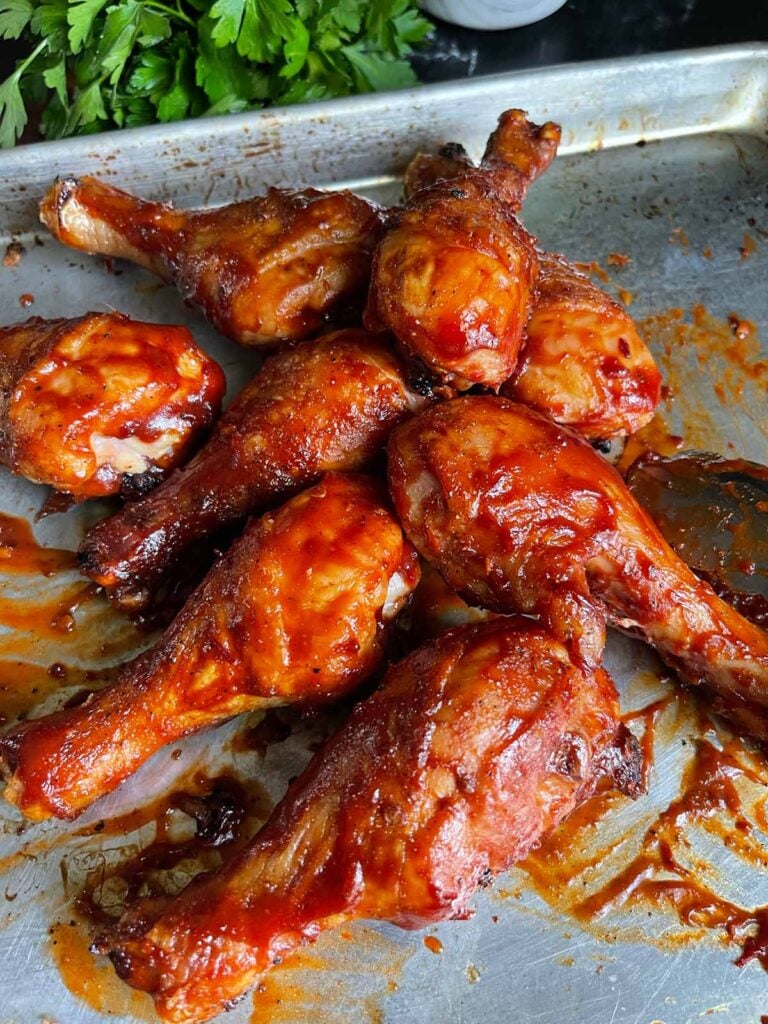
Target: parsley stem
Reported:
[(21, 68), (176, 12)]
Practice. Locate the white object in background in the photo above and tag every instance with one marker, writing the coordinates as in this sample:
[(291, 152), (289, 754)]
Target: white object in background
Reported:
[(491, 14)]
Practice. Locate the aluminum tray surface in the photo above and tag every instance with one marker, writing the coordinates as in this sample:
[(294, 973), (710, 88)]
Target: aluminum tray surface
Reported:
[(679, 205)]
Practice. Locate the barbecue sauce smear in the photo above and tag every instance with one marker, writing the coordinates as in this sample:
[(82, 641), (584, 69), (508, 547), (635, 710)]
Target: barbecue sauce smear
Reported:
[(696, 350), (150, 853), (56, 632), (626, 887)]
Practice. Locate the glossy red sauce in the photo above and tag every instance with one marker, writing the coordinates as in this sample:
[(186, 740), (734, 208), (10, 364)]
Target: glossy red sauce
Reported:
[(21, 553), (658, 878), (694, 347), (91, 981), (222, 816)]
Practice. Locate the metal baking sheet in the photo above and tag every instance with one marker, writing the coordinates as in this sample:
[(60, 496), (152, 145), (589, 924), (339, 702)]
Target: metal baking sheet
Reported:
[(664, 159)]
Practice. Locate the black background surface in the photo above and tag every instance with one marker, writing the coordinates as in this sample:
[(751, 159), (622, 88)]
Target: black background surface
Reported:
[(581, 30), (591, 29)]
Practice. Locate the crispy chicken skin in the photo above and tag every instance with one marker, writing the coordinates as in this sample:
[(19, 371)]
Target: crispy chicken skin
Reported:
[(519, 514), (473, 748), (101, 404), (454, 277), (275, 268), (295, 611), (583, 362), (328, 405)]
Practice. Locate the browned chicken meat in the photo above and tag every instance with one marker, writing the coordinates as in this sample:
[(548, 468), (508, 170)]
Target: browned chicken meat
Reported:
[(454, 277), (473, 749), (295, 611), (325, 406), (101, 404), (519, 514), (275, 268), (582, 361)]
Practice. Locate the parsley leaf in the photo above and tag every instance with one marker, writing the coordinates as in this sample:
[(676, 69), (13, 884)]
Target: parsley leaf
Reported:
[(55, 77), (221, 72), (87, 109), (175, 103), (228, 15), (13, 113), (295, 50), (50, 22), (123, 63), (14, 17), (81, 15), (377, 72)]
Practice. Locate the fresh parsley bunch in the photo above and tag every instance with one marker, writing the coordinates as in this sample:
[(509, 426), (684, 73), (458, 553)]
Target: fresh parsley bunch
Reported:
[(95, 64)]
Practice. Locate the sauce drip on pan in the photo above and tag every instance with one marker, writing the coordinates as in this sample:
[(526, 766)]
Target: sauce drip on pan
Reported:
[(663, 872), (649, 716), (24, 684), (654, 437), (42, 600), (49, 618), (693, 348), (345, 976), (196, 827), (20, 552), (95, 984)]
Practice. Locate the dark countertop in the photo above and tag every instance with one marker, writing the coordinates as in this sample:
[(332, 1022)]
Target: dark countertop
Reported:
[(581, 30), (592, 29)]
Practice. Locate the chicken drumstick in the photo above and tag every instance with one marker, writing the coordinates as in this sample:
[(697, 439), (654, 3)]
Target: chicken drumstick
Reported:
[(270, 269), (582, 361), (329, 405), (294, 612), (101, 404), (473, 748), (454, 277), (519, 514)]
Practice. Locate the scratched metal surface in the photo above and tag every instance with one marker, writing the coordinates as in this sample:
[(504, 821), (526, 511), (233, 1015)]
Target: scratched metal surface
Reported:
[(703, 170)]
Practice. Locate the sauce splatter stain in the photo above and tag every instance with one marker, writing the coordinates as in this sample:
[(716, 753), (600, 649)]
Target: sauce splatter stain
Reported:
[(618, 259), (610, 886), (594, 269), (21, 553), (333, 982), (91, 981), (433, 944), (747, 247), (473, 975), (695, 349), (13, 253)]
